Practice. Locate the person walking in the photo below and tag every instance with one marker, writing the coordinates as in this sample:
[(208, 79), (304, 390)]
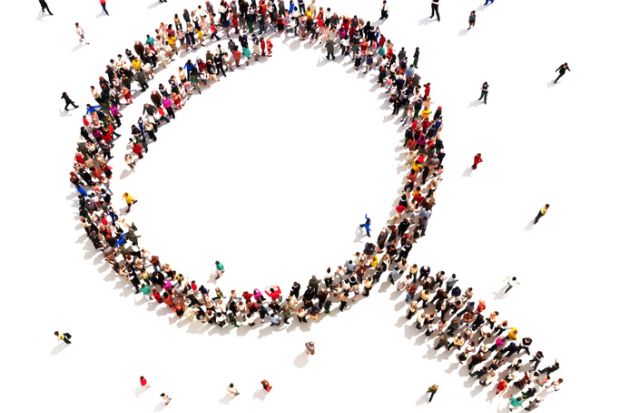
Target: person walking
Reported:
[(45, 7), (329, 46), (232, 390), (129, 200), (510, 283), (266, 385), (477, 160), (472, 19), (81, 34), (432, 390), (310, 348), (143, 383), (65, 337), (484, 92), (562, 69), (68, 101), (366, 225), (435, 9), (384, 11), (219, 270), (104, 7), (487, 2), (167, 399), (541, 213)]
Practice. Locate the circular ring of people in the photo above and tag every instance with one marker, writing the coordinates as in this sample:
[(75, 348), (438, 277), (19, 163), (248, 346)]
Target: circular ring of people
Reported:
[(436, 303)]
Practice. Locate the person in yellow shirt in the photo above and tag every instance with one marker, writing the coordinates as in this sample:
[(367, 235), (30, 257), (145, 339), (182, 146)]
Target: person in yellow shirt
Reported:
[(129, 200), (136, 64), (541, 213), (63, 337)]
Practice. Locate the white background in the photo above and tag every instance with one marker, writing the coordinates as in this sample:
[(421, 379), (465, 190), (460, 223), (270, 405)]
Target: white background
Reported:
[(271, 170)]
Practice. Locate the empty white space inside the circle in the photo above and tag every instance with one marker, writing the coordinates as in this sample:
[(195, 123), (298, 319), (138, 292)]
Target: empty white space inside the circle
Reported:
[(270, 171)]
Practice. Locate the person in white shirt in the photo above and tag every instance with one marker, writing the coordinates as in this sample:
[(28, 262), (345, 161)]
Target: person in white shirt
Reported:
[(510, 283), (81, 34)]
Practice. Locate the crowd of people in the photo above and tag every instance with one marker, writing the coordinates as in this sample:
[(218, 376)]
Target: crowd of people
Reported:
[(437, 304)]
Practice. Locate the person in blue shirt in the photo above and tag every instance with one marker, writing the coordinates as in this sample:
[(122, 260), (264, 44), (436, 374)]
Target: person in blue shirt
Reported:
[(366, 225), (90, 109)]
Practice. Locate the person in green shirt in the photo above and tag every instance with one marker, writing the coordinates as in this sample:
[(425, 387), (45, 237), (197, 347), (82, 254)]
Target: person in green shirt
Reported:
[(219, 269), (515, 403)]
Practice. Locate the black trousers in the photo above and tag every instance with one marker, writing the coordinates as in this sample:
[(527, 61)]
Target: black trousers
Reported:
[(435, 10), (70, 102), (538, 217), (556, 79), (483, 95), (45, 8)]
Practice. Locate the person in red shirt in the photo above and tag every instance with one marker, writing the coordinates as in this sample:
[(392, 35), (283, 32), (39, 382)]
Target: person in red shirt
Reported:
[(137, 149), (477, 160), (266, 385), (103, 7), (143, 383)]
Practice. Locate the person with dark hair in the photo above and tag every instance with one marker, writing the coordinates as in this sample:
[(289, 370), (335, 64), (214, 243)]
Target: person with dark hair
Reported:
[(416, 57), (477, 160), (384, 11), (266, 385), (541, 213), (435, 10), (104, 7), (64, 337), (45, 7), (472, 19), (165, 398), (484, 92), (232, 390), (68, 101), (366, 225), (562, 69)]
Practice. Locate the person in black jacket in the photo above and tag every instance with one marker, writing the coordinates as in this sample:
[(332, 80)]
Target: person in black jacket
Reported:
[(384, 11), (45, 7), (562, 69), (435, 9), (68, 101)]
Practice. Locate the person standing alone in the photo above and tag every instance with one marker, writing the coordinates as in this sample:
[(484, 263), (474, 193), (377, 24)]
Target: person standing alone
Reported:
[(65, 337), (484, 92), (384, 11), (45, 7), (472, 19), (68, 101), (104, 7), (562, 69), (81, 34), (541, 213), (432, 390), (477, 160), (435, 9)]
